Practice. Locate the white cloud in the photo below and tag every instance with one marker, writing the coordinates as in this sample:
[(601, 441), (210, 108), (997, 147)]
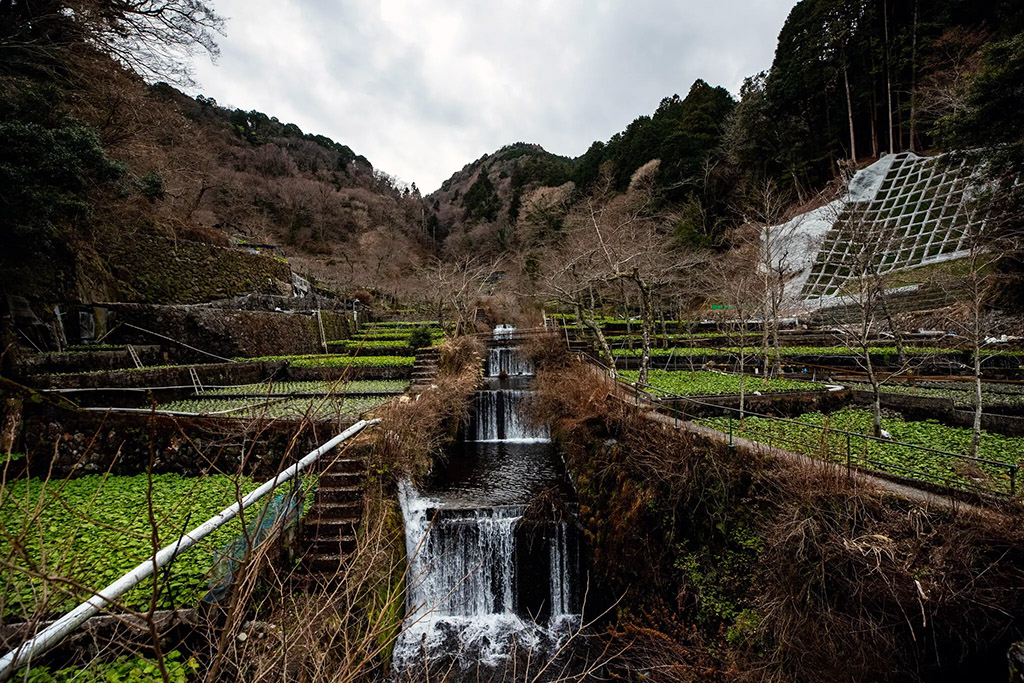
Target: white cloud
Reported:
[(422, 87)]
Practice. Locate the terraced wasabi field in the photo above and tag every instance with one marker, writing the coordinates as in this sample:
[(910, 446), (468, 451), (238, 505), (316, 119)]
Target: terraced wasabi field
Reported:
[(93, 529), (341, 361), (811, 434), (785, 351), (319, 408), (993, 395), (317, 387), (704, 383)]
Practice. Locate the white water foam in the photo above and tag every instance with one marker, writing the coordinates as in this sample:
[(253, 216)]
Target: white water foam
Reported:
[(461, 587)]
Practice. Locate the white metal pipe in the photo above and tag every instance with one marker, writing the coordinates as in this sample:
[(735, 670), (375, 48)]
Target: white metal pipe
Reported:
[(57, 631)]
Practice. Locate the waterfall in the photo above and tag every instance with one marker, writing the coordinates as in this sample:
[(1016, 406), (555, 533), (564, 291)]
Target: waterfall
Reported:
[(504, 331), (507, 361), (488, 583), (465, 566), (500, 416), (471, 590)]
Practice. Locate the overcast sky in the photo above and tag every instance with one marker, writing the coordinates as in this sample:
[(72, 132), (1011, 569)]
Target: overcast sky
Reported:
[(423, 87)]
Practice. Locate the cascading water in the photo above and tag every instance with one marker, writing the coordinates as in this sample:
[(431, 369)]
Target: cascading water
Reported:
[(488, 580), (500, 416), (507, 361)]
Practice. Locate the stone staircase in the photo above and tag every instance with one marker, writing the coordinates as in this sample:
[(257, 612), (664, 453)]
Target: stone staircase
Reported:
[(329, 530), (424, 369)]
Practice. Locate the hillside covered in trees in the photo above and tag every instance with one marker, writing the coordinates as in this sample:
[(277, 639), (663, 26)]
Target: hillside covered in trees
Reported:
[(92, 158), (850, 81), (92, 154)]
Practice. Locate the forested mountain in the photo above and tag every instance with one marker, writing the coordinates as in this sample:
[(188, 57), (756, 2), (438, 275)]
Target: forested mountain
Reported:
[(92, 157), (476, 208), (851, 80)]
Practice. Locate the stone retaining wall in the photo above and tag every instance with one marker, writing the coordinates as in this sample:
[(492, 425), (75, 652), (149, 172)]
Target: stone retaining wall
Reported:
[(64, 443), (226, 333), (87, 361)]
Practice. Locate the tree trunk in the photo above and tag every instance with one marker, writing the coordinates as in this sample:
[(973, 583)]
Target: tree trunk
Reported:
[(901, 352), (888, 75), (743, 376), (876, 392), (976, 431), (976, 341), (874, 132), (849, 114), (913, 82), (647, 324), (586, 316), (10, 430), (776, 311)]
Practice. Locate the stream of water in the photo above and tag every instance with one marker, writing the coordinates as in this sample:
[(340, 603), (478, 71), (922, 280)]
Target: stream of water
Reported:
[(493, 556)]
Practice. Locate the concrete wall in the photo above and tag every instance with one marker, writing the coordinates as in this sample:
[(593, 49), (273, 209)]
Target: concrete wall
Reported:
[(62, 443), (227, 333)]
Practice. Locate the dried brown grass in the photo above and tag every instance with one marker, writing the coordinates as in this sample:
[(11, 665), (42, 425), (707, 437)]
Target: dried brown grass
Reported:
[(413, 432), (850, 583)]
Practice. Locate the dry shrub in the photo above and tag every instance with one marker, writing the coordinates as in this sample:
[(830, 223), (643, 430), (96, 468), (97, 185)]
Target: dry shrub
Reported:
[(789, 571), (652, 655), (458, 355), (413, 432), (547, 350), (857, 581), (506, 307), (341, 628)]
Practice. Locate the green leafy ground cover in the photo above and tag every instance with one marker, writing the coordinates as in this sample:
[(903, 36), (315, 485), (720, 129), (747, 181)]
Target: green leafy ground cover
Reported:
[(810, 439), (355, 344), (341, 361), (961, 393), (95, 528), (320, 387), (396, 334), (885, 351), (637, 338), (86, 348), (272, 409), (315, 360), (703, 383), (399, 324), (125, 669)]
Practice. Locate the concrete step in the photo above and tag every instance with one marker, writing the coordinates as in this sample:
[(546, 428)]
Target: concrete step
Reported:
[(321, 525), (340, 494), (345, 465), (334, 479), (324, 564), (324, 507), (330, 546)]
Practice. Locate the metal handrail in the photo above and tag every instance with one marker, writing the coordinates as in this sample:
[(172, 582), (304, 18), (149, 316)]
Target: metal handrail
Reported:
[(60, 629)]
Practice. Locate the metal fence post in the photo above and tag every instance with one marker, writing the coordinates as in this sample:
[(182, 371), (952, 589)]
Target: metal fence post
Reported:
[(847, 453), (1013, 480)]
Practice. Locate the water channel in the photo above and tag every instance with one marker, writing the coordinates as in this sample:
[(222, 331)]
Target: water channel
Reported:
[(490, 537)]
